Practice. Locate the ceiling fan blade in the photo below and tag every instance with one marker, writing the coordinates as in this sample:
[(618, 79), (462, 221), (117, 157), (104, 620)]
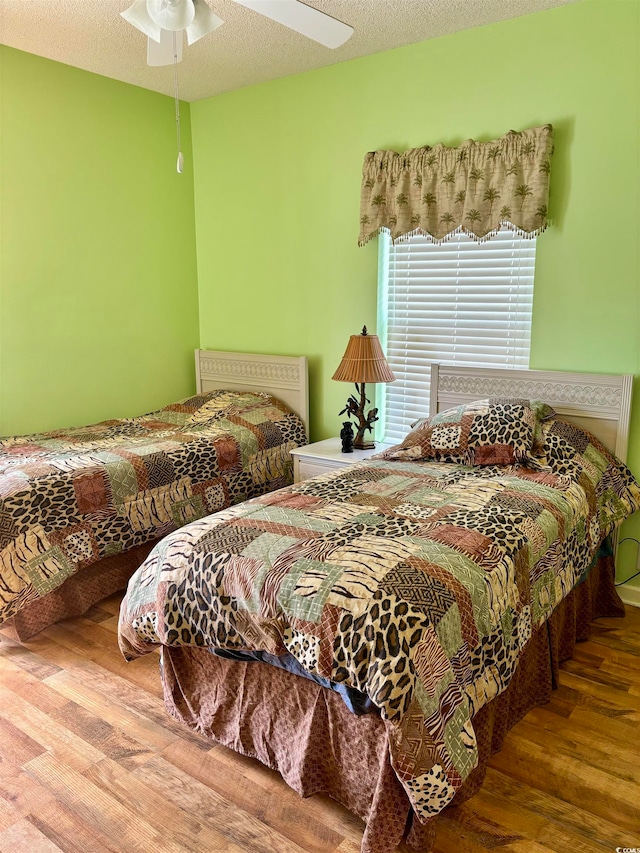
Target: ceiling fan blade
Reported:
[(303, 19), (138, 16), (204, 22), (161, 53)]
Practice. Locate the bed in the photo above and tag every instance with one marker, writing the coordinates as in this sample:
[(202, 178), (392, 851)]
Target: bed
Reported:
[(444, 589), (81, 508)]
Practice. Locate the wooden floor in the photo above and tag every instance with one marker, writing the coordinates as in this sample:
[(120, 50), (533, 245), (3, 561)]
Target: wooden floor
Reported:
[(89, 762)]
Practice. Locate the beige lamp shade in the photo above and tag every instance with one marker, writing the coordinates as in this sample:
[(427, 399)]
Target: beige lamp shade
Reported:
[(363, 361)]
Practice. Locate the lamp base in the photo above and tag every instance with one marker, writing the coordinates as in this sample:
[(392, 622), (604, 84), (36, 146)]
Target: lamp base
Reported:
[(356, 408), (361, 443)]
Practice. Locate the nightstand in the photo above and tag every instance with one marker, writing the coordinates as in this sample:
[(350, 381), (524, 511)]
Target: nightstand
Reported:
[(327, 455)]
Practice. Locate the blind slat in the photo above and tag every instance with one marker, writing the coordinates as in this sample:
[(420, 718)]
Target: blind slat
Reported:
[(462, 303)]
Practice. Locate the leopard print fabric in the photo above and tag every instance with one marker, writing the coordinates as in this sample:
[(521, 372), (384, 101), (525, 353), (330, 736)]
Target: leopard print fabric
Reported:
[(487, 432)]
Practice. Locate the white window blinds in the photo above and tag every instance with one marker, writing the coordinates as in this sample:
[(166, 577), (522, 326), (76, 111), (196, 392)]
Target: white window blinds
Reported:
[(460, 302)]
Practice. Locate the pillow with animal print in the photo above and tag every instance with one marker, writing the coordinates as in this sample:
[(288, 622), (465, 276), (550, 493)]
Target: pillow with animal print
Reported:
[(563, 445), (574, 453), (497, 431), (221, 404), (544, 413)]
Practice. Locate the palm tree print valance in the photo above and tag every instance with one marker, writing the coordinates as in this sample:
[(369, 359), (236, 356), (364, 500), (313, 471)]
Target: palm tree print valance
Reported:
[(477, 187)]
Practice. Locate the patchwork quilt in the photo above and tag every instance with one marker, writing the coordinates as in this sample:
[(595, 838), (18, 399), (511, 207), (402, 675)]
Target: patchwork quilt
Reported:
[(417, 583), (69, 498)]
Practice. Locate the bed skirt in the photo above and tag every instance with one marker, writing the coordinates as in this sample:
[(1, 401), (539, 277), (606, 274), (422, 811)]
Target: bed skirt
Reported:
[(307, 734), (80, 592)]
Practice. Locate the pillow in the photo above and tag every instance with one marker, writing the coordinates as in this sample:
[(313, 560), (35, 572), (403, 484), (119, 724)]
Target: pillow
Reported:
[(543, 413), (579, 457), (221, 404), (497, 431), (564, 447), (217, 405)]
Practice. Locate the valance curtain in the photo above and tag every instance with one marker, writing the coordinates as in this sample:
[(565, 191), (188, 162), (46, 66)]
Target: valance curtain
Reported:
[(477, 187)]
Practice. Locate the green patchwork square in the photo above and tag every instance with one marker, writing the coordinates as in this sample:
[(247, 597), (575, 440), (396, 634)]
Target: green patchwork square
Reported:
[(613, 509), (188, 510), (247, 441), (270, 464), (436, 469), (123, 480), (112, 548), (506, 622), (140, 595), (548, 523), (593, 455), (596, 460), (449, 631), (168, 416), (253, 416), (539, 490), (51, 444), (388, 485), (48, 570), (429, 497), (293, 518), (461, 567), (394, 485), (368, 518), (464, 759), (430, 705), (107, 456), (451, 416), (306, 588), (143, 449), (266, 548), (542, 597)]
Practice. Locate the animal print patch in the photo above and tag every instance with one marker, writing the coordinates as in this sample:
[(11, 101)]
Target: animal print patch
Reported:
[(486, 432)]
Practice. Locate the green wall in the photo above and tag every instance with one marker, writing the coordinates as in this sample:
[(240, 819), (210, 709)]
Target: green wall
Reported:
[(98, 284), (98, 280), (277, 183)]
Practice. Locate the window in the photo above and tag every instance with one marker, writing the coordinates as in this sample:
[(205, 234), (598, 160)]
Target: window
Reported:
[(460, 302)]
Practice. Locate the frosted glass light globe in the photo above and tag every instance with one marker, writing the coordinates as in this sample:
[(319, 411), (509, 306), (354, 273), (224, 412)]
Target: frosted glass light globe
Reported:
[(172, 15)]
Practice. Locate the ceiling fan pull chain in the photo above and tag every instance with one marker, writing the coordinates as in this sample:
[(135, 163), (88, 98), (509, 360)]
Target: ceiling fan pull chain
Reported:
[(180, 162)]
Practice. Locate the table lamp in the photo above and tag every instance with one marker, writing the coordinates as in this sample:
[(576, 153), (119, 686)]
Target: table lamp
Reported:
[(362, 362)]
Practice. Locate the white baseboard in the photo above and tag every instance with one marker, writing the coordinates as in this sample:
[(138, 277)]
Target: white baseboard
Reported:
[(630, 595)]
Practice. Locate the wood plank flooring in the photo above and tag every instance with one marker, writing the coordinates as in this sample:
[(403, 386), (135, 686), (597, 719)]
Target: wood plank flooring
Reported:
[(90, 762)]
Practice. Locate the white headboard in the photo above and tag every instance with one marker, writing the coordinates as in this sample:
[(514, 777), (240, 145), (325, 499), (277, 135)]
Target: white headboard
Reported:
[(597, 402), (283, 376)]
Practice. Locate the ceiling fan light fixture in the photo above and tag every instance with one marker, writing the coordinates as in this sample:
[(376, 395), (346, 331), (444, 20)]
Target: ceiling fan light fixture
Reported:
[(172, 15), (204, 22), (164, 21), (138, 16)]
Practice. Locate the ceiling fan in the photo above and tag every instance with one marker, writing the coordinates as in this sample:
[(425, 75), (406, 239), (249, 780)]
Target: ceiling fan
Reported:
[(163, 21)]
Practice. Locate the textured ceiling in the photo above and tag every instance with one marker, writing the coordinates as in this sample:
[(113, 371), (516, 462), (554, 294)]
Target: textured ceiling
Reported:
[(248, 49)]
